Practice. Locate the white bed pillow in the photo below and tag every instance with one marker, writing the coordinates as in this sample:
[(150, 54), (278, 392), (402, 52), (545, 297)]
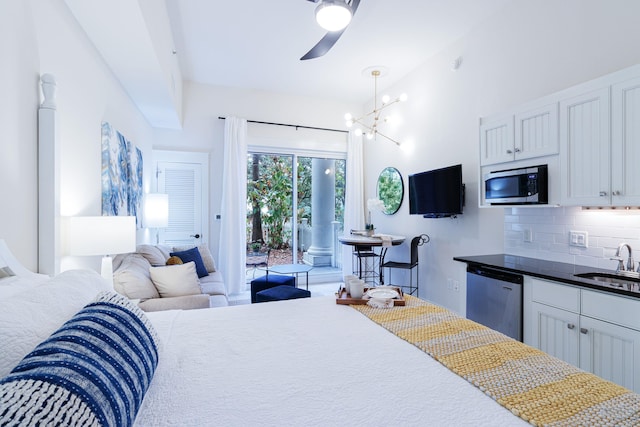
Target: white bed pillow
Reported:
[(30, 316), (176, 280)]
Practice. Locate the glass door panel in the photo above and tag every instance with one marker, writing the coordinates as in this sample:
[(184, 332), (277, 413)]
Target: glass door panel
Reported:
[(270, 207)]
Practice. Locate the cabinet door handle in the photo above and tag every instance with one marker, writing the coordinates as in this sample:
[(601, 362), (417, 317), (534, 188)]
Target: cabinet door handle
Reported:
[(571, 326), (617, 193), (584, 331), (509, 152), (603, 194), (517, 150)]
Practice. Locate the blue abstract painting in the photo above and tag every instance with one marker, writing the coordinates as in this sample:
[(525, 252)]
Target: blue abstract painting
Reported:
[(121, 175)]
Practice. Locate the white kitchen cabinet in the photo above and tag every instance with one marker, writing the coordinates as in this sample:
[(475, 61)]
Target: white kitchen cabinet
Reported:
[(496, 140), (625, 143), (600, 141), (610, 351), (531, 131), (536, 132), (554, 332), (585, 160), (598, 332)]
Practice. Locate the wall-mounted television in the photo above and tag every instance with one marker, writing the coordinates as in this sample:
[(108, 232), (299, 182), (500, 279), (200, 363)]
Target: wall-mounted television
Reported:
[(437, 193)]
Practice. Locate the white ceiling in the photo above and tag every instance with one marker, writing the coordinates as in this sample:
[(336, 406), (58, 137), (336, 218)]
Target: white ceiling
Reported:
[(257, 44)]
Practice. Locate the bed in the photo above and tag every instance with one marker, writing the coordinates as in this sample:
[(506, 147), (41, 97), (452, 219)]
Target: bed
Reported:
[(298, 362)]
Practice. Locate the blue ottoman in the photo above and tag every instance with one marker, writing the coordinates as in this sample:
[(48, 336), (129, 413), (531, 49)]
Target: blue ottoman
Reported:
[(270, 281), (280, 293)]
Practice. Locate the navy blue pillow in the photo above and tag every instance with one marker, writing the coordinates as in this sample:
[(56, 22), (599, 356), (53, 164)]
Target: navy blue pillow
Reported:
[(193, 254), (94, 370)]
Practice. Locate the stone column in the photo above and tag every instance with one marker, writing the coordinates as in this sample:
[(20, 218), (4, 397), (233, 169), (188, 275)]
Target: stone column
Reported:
[(323, 202)]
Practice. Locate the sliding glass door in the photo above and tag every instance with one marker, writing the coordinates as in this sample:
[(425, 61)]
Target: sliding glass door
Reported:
[(278, 222)]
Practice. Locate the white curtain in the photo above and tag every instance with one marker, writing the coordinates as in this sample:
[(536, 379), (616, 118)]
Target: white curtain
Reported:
[(354, 195), (232, 248)]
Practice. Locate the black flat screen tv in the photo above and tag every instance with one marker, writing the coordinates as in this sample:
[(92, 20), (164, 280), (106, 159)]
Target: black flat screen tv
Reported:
[(437, 193)]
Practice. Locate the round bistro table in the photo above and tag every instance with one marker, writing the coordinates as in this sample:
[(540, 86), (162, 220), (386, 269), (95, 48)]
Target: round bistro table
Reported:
[(363, 251)]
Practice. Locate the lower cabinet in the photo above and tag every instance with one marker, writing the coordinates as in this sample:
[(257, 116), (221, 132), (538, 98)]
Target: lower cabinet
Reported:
[(597, 332)]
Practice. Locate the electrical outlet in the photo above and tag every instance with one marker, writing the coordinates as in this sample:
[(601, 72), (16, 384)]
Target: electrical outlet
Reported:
[(579, 239), (456, 285), (528, 235), (450, 284)]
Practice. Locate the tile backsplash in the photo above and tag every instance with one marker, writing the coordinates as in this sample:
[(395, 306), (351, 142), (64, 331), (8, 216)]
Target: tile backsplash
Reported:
[(549, 228)]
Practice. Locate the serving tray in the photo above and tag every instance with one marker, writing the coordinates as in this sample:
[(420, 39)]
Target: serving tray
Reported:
[(342, 297)]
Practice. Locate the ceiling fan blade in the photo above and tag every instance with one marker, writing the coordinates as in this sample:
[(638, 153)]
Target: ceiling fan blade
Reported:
[(329, 39), (323, 45)]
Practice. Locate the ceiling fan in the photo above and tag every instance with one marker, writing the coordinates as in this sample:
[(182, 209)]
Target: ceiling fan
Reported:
[(332, 36)]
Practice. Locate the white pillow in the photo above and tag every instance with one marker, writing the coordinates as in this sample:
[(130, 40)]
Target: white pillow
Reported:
[(30, 316), (176, 280)]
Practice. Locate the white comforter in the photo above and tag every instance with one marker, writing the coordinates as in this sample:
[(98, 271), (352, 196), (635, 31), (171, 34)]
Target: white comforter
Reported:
[(302, 362)]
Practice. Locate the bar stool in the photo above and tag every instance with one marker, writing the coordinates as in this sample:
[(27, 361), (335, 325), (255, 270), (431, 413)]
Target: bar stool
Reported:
[(413, 263), (366, 264)]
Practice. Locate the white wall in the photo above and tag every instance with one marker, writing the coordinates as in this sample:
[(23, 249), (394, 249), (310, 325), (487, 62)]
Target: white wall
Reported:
[(204, 132), (531, 49), (43, 37), (19, 74)]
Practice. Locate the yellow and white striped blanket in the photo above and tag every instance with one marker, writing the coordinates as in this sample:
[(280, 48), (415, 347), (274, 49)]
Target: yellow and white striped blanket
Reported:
[(533, 385)]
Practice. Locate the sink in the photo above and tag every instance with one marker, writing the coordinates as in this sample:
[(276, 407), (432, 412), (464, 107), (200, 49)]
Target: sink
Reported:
[(621, 279)]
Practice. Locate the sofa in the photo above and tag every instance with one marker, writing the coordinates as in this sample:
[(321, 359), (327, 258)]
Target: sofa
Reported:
[(191, 283)]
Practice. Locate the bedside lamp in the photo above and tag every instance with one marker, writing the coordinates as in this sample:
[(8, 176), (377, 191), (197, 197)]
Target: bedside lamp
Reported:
[(102, 235), (156, 212)]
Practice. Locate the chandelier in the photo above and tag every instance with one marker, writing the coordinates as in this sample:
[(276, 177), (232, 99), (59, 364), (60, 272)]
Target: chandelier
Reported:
[(372, 130)]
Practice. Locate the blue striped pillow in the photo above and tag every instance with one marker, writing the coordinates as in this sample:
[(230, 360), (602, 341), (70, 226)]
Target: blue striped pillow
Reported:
[(94, 370)]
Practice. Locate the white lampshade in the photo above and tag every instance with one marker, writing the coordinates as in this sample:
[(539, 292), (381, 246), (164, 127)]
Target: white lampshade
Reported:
[(102, 235), (333, 15), (156, 210)]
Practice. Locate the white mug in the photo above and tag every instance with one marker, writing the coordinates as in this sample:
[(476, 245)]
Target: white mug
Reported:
[(348, 278), (357, 288)]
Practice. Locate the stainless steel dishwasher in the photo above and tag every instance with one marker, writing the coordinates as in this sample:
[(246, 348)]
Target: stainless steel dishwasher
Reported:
[(494, 299)]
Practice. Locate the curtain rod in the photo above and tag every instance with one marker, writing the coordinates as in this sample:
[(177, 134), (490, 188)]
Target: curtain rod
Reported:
[(292, 126)]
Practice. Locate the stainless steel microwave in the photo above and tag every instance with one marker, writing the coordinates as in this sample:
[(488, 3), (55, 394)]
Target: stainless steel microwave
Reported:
[(526, 186)]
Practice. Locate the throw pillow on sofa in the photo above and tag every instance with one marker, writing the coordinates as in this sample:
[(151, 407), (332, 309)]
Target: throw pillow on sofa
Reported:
[(207, 258), (155, 254), (176, 280), (190, 255), (131, 279)]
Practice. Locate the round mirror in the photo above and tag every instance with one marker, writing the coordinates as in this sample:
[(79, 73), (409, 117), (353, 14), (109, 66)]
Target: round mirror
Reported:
[(390, 190)]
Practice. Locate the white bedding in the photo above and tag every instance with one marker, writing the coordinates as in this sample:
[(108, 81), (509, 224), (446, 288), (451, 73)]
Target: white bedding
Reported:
[(302, 362)]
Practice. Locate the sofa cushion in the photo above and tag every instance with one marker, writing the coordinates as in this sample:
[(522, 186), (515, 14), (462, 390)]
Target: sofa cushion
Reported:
[(186, 302), (192, 255), (155, 254), (213, 284), (176, 280), (205, 253), (132, 280)]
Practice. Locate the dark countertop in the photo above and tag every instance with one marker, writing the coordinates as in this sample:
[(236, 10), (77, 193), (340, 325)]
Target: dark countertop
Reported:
[(550, 270)]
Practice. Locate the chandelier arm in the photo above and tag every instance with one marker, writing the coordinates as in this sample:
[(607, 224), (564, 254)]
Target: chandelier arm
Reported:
[(364, 125), (383, 106), (390, 139)]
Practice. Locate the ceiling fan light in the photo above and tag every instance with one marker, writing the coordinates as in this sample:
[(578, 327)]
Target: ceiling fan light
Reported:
[(333, 15)]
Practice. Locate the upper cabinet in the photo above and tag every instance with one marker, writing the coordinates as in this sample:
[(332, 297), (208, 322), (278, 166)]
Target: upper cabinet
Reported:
[(530, 132), (496, 140), (595, 128), (585, 146), (625, 143), (600, 142)]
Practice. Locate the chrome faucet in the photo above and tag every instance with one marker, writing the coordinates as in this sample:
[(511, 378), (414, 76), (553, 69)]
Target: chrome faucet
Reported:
[(630, 262)]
